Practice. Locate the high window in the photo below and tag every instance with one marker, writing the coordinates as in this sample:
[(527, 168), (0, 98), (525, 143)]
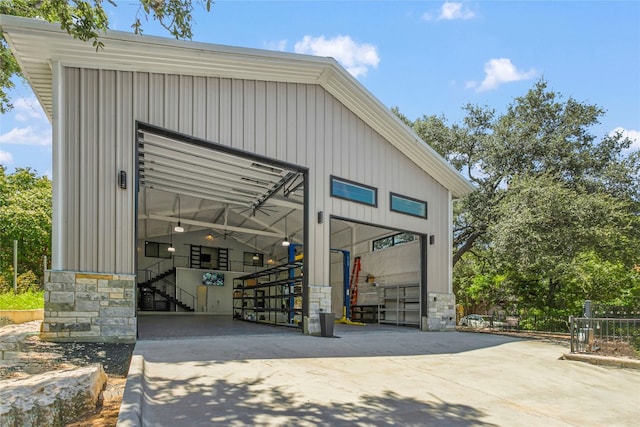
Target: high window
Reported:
[(156, 250), (408, 205), (349, 190), (396, 239)]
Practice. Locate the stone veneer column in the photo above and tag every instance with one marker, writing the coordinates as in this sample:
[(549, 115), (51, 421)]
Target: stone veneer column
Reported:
[(319, 301), (90, 307), (441, 314)]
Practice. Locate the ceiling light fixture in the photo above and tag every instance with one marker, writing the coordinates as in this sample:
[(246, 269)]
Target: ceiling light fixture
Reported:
[(178, 228), (285, 242), (171, 248), (256, 256)]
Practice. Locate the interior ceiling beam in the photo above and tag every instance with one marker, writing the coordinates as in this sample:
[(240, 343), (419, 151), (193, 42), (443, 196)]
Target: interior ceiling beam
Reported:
[(285, 204), (215, 226), (261, 223), (182, 190), (183, 211)]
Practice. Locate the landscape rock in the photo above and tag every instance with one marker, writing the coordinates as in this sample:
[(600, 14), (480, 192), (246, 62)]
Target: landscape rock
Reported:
[(50, 399)]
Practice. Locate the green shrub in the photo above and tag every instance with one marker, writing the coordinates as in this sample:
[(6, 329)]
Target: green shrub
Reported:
[(635, 340), (29, 300), (27, 282)]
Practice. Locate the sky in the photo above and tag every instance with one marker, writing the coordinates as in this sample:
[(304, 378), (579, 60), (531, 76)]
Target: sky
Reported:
[(424, 57)]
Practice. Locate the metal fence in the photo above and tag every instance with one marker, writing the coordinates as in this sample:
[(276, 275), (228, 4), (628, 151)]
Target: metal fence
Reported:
[(590, 334)]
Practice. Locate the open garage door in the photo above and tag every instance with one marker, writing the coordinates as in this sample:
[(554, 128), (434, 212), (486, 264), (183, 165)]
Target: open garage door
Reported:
[(208, 215), (385, 282)]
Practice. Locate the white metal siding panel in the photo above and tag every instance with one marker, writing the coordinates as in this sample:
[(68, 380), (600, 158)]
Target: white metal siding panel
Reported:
[(106, 150), (291, 106), (301, 124), (213, 109), (156, 98), (271, 148), (260, 111), (199, 113), (281, 121), (225, 125), (171, 99), (249, 116), (185, 105), (124, 122), (70, 163), (237, 113)]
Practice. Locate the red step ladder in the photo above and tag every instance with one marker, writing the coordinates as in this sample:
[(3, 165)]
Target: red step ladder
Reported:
[(353, 282)]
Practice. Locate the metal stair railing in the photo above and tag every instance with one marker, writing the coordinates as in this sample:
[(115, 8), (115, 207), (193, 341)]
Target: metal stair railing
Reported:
[(159, 271)]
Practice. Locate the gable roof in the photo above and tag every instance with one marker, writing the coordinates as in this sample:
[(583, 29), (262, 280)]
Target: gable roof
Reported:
[(37, 45)]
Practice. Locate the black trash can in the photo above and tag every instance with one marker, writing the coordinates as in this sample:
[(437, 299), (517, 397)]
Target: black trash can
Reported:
[(326, 324)]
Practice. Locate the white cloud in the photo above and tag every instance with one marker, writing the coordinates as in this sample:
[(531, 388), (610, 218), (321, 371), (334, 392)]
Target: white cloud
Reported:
[(499, 71), (454, 10), (26, 136), (5, 158), (633, 135), (280, 45), (450, 11), (27, 109), (355, 57)]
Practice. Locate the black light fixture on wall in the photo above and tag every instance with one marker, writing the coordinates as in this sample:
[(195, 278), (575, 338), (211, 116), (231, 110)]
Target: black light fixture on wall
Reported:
[(122, 180)]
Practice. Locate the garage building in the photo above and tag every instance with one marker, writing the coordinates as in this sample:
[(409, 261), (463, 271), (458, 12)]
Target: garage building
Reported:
[(181, 168)]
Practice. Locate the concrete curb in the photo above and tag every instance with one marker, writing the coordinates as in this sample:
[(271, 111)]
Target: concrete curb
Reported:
[(131, 407), (603, 361)]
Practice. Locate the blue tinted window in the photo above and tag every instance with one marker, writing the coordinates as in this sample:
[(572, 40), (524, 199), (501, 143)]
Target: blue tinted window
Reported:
[(355, 192), (409, 206)]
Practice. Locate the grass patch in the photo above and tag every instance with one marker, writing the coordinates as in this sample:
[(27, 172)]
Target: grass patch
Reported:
[(22, 301)]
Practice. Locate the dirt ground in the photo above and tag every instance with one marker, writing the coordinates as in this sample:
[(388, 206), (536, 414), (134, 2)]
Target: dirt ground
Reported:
[(105, 415)]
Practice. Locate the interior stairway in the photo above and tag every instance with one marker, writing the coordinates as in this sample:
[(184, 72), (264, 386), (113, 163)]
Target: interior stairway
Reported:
[(149, 284)]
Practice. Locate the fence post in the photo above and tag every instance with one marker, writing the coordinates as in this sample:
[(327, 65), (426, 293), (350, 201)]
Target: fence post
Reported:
[(15, 266), (571, 328)]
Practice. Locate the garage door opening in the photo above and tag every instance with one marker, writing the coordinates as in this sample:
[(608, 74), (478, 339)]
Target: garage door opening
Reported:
[(377, 274), (209, 216)]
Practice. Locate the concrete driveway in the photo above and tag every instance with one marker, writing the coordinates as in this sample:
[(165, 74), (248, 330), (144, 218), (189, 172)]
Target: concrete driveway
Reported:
[(371, 377)]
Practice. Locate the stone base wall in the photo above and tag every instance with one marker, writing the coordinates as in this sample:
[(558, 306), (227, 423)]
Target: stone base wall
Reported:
[(89, 307), (441, 314), (319, 301)]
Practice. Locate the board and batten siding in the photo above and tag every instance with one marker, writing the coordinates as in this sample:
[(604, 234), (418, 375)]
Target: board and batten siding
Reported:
[(297, 123)]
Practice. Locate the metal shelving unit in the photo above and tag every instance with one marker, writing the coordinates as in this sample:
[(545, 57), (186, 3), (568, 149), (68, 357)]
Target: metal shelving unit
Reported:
[(400, 305), (272, 296)]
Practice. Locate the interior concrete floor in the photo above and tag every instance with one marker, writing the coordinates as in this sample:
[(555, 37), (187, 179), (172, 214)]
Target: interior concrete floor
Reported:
[(162, 325)]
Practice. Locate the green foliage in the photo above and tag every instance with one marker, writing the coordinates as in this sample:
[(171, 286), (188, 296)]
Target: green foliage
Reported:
[(25, 216), (87, 21), (22, 301), (635, 340), (555, 216)]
